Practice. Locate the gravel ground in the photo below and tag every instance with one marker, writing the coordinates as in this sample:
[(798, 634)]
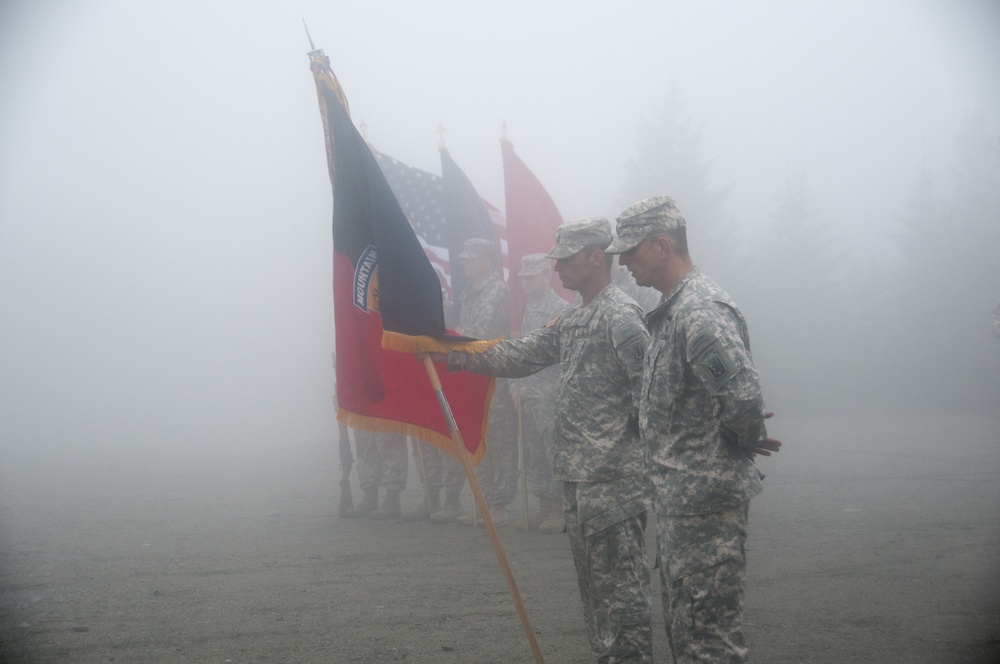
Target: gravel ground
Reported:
[(875, 541)]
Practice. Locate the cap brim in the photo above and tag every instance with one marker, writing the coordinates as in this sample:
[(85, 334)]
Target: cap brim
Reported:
[(621, 245), (558, 252)]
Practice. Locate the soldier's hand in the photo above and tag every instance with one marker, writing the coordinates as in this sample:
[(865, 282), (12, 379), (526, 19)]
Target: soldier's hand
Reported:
[(767, 447)]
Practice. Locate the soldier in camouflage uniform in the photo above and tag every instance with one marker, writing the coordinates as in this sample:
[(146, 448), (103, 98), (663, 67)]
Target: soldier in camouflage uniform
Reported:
[(432, 464), (484, 313), (382, 461), (538, 397), (702, 416), (596, 450)]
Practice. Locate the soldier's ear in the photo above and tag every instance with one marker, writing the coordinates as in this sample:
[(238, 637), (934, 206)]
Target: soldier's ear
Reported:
[(597, 256)]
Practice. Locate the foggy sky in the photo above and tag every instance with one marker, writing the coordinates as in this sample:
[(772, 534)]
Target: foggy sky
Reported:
[(165, 249)]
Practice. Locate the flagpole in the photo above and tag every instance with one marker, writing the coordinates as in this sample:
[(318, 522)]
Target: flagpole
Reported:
[(523, 454), (423, 475), (477, 493)]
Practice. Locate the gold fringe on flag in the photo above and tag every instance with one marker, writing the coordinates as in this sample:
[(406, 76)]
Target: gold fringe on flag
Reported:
[(440, 441), (410, 343)]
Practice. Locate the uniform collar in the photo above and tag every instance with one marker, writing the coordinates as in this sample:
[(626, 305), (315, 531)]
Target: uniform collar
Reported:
[(667, 302)]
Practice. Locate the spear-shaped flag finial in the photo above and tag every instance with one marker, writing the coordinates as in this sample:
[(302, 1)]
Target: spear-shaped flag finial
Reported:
[(312, 47)]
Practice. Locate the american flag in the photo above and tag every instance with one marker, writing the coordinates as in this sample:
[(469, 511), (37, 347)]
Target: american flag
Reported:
[(421, 195)]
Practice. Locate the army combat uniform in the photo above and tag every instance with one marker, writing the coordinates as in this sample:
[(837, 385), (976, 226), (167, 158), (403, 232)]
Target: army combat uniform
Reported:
[(701, 412), (382, 462), (598, 457), (538, 406)]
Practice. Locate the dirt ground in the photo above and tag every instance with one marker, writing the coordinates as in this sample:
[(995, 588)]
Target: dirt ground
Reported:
[(874, 541)]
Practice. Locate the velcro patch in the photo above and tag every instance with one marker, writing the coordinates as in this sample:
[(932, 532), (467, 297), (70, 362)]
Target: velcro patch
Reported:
[(714, 365)]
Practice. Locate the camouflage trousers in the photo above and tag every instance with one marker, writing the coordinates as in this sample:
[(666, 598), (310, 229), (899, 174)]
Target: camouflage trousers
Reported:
[(382, 460), (609, 552), (702, 573), (497, 472), (538, 425), (437, 469)]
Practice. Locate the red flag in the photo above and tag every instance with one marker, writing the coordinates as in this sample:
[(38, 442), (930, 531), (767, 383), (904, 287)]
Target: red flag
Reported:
[(387, 299), (532, 219)]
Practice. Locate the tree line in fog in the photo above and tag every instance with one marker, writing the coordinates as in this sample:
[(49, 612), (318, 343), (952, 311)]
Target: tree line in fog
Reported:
[(903, 328)]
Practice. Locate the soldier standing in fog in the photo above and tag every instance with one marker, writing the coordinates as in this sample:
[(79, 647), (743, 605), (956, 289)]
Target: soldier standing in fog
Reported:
[(382, 462), (702, 418), (538, 397), (484, 313), (597, 453)]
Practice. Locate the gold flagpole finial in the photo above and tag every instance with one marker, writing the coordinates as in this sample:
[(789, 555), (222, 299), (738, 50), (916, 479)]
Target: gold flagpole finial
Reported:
[(441, 131)]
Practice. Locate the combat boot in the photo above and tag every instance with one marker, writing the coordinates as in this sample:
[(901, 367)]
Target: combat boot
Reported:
[(390, 508), (367, 504), (423, 512), (449, 512), (555, 522), (468, 519), (499, 515)]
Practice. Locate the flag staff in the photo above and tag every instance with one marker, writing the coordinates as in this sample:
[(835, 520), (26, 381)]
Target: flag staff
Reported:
[(522, 453), (327, 87), (443, 148), (520, 413), (477, 493)]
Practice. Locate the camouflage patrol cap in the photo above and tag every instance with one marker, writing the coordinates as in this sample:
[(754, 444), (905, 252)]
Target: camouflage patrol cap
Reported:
[(477, 247), (534, 264), (653, 215), (573, 236)]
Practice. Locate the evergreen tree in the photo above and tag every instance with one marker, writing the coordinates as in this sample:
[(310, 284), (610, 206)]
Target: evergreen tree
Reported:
[(793, 304), (974, 214), (951, 279), (669, 160)]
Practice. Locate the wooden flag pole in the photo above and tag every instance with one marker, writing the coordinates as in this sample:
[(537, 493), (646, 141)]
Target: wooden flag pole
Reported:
[(522, 452), (477, 493), (423, 475)]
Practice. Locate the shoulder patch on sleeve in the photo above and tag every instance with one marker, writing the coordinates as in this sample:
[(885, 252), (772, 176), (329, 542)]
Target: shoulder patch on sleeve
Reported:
[(627, 330), (637, 350), (700, 343), (632, 338), (713, 363)]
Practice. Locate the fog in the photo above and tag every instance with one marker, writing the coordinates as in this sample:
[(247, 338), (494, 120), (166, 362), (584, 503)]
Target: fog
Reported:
[(167, 440), (165, 207)]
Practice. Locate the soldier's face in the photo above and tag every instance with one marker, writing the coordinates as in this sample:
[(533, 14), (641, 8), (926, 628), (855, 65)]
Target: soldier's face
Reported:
[(477, 268), (575, 270), (640, 262)]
